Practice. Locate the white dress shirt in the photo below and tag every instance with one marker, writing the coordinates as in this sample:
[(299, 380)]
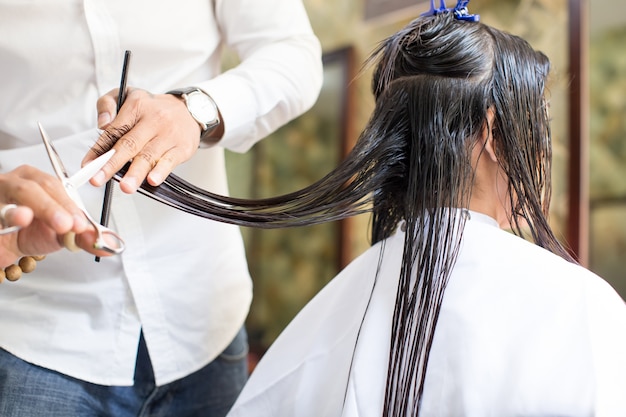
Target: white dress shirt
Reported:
[(181, 279), (521, 332)]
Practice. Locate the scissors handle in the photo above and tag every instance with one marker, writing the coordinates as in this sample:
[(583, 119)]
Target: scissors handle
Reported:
[(4, 228), (106, 239), (9, 230), (109, 241)]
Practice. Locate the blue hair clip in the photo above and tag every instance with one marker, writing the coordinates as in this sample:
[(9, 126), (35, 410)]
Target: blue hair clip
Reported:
[(460, 10), (433, 11)]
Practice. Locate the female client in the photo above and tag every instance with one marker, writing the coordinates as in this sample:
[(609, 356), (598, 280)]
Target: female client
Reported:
[(447, 314)]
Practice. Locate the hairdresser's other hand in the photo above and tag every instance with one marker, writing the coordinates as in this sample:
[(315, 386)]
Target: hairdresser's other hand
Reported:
[(44, 212), (155, 131)]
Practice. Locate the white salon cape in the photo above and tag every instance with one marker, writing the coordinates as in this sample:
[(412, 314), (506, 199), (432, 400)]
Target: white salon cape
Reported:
[(183, 280), (521, 332)]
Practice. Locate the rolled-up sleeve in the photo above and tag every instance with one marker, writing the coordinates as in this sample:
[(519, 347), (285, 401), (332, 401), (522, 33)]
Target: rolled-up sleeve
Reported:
[(280, 72)]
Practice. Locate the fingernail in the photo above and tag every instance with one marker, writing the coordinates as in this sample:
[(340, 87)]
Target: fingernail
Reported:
[(104, 119), (61, 221), (80, 221), (99, 178), (130, 184), (155, 178)]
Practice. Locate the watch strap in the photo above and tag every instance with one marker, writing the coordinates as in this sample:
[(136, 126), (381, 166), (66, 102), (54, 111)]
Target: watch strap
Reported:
[(205, 139), (184, 90)]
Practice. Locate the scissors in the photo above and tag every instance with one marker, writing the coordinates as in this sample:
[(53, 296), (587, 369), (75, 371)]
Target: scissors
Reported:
[(106, 239), (5, 230)]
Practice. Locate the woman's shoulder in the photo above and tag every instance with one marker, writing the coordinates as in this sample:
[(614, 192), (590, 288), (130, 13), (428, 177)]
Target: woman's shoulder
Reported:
[(492, 255)]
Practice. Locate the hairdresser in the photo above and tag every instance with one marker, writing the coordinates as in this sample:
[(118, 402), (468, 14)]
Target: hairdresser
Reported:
[(159, 329)]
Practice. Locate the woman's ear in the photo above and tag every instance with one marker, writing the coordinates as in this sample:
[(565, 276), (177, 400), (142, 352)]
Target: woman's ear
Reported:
[(487, 135)]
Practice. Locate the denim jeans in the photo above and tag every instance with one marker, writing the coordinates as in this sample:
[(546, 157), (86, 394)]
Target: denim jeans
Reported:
[(28, 390)]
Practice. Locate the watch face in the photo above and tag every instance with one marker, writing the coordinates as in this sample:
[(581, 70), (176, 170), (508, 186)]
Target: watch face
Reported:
[(202, 108)]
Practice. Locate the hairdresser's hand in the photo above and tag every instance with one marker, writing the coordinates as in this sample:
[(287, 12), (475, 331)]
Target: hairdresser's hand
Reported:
[(155, 131), (44, 212)]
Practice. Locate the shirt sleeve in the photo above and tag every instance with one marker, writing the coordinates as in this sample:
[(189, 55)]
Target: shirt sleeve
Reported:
[(279, 75)]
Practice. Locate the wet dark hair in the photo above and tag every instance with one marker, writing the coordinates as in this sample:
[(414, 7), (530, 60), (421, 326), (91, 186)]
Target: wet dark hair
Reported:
[(434, 82)]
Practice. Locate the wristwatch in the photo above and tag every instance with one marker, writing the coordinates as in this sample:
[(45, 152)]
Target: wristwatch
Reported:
[(203, 109)]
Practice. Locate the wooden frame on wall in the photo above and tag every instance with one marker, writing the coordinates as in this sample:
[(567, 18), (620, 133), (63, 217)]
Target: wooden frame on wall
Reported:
[(578, 169), (339, 69)]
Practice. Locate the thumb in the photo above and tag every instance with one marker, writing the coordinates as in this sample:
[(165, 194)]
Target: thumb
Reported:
[(107, 108)]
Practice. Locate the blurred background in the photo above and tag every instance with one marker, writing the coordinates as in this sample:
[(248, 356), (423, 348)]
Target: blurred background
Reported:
[(588, 103)]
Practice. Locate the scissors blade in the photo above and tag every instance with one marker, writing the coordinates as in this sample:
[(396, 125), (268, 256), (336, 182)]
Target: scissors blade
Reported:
[(89, 170), (55, 159)]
